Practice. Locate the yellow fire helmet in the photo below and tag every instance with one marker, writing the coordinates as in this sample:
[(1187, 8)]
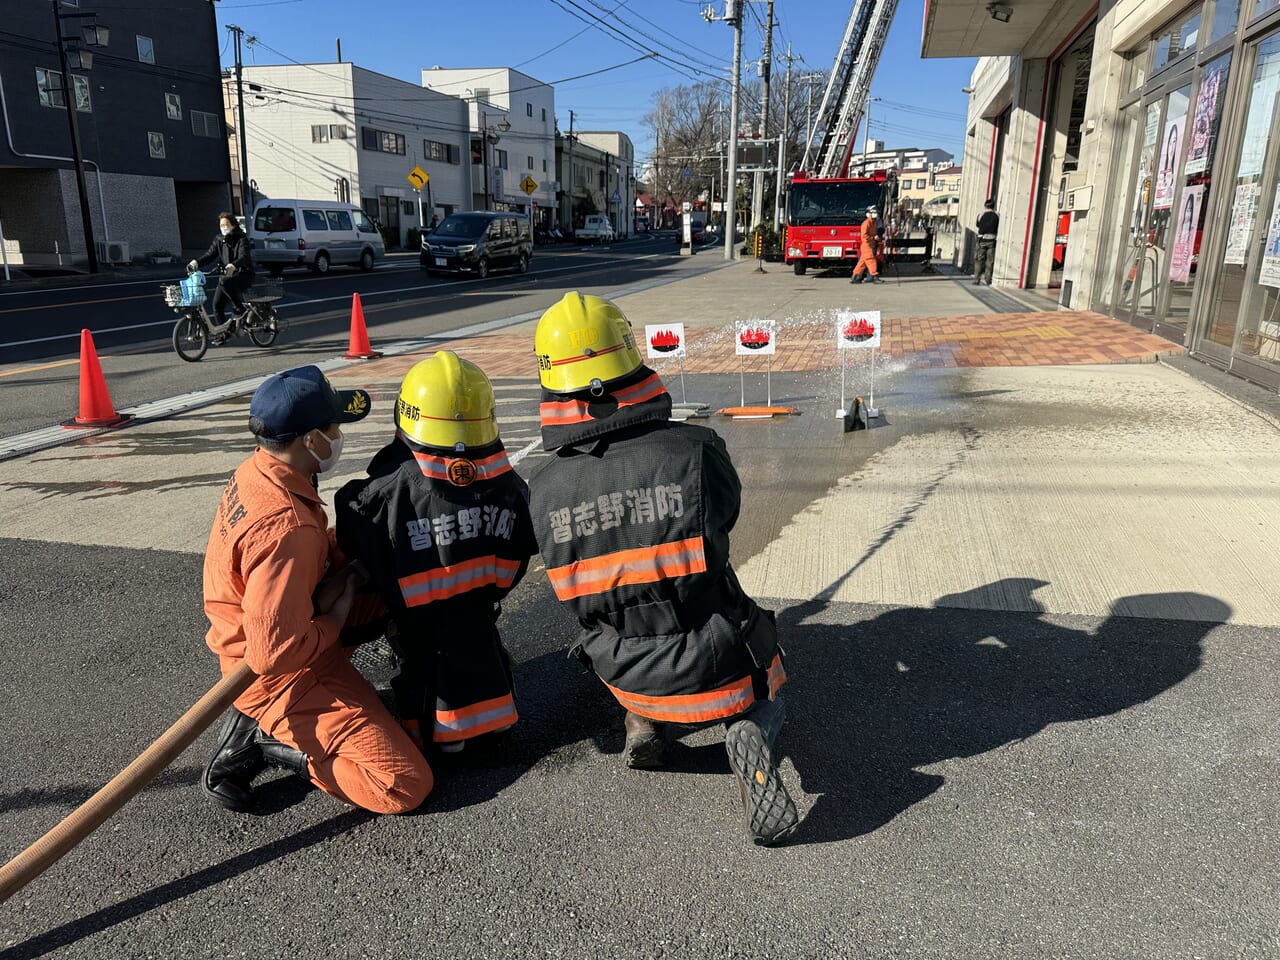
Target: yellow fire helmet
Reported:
[(447, 402), (582, 343)]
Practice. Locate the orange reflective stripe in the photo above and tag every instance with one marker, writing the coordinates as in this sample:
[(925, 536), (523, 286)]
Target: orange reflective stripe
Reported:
[(567, 412), (437, 468), (777, 675), (641, 565), (715, 704), (457, 579), (473, 720)]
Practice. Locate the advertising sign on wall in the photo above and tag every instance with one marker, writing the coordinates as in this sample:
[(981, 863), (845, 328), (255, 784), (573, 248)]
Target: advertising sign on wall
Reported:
[(1184, 241), (1269, 272), (1167, 161), (1243, 211), (1204, 125)]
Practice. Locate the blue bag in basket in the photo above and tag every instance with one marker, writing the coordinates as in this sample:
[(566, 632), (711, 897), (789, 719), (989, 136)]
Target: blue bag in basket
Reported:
[(193, 289)]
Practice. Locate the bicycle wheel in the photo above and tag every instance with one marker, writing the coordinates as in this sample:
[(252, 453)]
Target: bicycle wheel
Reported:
[(263, 326), (190, 338)]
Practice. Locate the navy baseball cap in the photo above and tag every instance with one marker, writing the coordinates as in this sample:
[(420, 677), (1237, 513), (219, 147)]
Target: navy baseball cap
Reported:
[(289, 404)]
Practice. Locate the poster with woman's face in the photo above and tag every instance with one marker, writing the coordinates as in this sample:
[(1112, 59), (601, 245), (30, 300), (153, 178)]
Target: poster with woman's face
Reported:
[(1184, 240), (1167, 161), (1204, 125)]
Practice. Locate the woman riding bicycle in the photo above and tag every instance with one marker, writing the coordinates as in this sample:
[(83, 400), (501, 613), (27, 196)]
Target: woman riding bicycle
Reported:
[(231, 248)]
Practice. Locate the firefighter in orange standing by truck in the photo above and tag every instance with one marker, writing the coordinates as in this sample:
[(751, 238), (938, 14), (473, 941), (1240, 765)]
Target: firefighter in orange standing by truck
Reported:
[(868, 260), (271, 605)]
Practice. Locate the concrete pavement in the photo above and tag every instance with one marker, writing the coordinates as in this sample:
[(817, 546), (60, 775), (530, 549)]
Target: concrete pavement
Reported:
[(1031, 632)]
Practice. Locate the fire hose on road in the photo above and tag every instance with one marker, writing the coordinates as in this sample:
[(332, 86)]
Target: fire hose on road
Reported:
[(130, 781)]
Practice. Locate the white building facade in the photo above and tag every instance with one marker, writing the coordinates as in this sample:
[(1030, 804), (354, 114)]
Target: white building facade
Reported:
[(519, 115), (1131, 149), (336, 131)]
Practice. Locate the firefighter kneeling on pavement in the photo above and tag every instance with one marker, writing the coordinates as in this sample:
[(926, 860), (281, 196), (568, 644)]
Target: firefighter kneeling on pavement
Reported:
[(633, 515), (279, 598), (442, 525)]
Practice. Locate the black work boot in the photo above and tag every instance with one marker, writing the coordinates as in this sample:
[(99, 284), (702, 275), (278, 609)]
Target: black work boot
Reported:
[(236, 760), (644, 747), (770, 813), (283, 756)]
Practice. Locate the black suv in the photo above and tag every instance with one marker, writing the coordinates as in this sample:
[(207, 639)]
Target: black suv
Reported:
[(476, 243)]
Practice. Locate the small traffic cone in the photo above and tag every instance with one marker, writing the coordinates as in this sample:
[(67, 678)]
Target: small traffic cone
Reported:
[(359, 347), (96, 409)]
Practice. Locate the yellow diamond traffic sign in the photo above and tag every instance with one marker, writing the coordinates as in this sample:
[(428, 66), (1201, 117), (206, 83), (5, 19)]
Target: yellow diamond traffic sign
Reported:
[(528, 185), (418, 177)]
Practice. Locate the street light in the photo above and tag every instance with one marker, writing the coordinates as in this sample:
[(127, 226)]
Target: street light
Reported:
[(91, 35)]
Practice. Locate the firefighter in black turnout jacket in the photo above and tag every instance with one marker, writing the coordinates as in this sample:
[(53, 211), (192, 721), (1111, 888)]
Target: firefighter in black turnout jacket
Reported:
[(632, 516), (442, 524)]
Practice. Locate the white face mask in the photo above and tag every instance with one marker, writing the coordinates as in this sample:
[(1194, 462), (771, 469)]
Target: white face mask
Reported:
[(225, 230), (335, 452)]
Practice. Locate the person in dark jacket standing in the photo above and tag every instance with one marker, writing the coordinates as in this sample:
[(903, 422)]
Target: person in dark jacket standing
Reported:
[(988, 227), (632, 515), (231, 247), (442, 525)]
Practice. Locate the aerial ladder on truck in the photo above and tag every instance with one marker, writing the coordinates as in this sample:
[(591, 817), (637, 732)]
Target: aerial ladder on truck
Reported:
[(844, 102)]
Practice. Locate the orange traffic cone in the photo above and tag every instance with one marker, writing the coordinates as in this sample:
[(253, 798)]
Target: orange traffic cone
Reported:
[(359, 348), (95, 402)]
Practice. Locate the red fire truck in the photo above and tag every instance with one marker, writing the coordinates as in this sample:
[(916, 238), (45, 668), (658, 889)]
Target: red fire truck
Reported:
[(824, 218)]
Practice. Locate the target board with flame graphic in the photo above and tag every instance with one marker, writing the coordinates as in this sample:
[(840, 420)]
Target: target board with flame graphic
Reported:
[(857, 329), (754, 338), (664, 341)]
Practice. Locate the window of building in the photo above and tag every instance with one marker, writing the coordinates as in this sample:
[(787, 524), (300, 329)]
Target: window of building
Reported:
[(407, 207), (382, 141), (1225, 15), (173, 106), (921, 184), (319, 133), (544, 164), (204, 124), (146, 49), (477, 156), (500, 159), (1264, 6), (1083, 56), (51, 93), (531, 163), (482, 94), (155, 143), (544, 114), (337, 131), (528, 109), (1176, 39)]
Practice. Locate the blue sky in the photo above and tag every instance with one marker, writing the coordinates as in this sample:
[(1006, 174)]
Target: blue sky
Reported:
[(921, 103)]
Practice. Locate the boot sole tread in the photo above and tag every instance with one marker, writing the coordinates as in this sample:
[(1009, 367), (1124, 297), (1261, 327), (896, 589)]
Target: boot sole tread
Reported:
[(770, 812)]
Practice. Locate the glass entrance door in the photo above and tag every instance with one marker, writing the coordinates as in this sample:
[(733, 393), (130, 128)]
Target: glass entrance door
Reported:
[(1139, 266)]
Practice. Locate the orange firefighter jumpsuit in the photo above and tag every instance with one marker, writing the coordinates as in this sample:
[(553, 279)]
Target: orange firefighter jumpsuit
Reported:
[(868, 260), (268, 551)]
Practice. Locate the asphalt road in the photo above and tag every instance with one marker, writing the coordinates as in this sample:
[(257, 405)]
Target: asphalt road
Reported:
[(131, 326), (975, 783)]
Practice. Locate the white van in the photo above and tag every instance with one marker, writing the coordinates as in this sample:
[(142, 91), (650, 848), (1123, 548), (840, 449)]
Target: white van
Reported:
[(313, 233)]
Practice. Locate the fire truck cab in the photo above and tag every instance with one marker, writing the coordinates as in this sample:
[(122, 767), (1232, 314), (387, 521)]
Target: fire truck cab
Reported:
[(824, 218)]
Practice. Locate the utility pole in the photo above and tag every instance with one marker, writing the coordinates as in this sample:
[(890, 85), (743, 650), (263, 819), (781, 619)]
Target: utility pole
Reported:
[(733, 17), (69, 99), (484, 152), (566, 219), (866, 134), (783, 135), (240, 130), (766, 70)]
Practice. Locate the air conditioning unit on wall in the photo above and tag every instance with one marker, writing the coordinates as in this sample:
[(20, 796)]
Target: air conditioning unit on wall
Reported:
[(113, 251)]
